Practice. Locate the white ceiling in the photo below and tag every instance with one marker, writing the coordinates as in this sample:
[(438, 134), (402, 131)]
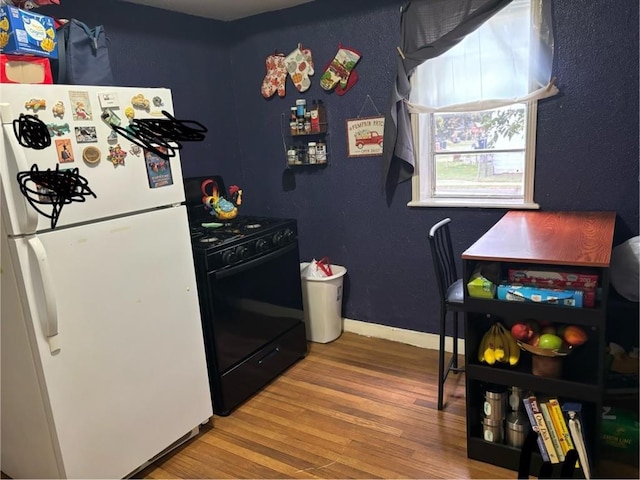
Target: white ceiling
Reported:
[(225, 10)]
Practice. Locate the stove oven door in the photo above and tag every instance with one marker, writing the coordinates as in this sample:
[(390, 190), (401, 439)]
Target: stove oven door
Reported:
[(255, 324)]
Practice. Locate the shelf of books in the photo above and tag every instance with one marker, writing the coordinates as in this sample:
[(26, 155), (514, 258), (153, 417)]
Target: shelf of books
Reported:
[(561, 425)]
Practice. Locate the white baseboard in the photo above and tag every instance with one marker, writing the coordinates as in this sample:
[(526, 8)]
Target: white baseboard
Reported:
[(410, 337)]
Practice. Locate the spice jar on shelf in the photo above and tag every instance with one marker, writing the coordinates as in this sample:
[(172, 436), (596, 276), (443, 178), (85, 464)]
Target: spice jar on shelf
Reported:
[(301, 107), (292, 155), (321, 152), (311, 152), (303, 157), (315, 121)]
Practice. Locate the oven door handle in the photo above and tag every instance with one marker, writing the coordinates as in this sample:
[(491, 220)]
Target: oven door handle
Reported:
[(241, 267)]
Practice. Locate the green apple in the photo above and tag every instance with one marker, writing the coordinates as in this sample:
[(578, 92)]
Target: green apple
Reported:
[(550, 341)]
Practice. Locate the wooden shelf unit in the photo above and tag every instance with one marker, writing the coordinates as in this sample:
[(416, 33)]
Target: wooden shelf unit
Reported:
[(573, 241)]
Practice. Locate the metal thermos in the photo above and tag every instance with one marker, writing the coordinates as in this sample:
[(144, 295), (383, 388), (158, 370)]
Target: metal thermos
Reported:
[(517, 427), (492, 430), (495, 404)]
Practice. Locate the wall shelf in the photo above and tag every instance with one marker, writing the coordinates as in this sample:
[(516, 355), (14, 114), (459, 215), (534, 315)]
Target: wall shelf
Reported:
[(299, 148)]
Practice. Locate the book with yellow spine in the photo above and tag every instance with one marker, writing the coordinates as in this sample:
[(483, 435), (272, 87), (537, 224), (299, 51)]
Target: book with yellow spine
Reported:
[(553, 433), (557, 425), (557, 416), (543, 430)]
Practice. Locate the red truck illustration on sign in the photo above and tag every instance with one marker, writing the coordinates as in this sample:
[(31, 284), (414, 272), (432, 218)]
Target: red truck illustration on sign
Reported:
[(365, 136), (368, 138)]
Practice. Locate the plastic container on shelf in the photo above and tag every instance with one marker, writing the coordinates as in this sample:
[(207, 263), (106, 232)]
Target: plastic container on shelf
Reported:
[(322, 302)]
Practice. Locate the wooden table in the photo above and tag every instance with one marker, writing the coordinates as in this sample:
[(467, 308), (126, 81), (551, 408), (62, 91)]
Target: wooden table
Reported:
[(555, 238)]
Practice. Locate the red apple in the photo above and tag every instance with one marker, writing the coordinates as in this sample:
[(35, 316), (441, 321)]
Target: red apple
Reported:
[(524, 330), (521, 331)]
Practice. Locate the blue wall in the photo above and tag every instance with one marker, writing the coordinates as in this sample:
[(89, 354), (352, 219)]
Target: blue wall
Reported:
[(587, 149)]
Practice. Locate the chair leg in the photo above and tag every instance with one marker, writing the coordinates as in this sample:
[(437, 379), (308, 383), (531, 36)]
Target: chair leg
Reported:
[(441, 375), (455, 340)]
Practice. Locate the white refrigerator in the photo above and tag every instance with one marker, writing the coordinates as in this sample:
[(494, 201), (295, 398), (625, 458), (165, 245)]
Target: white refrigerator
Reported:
[(102, 359)]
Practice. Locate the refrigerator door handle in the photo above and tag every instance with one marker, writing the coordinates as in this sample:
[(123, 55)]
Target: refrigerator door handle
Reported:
[(51, 315), (27, 216)]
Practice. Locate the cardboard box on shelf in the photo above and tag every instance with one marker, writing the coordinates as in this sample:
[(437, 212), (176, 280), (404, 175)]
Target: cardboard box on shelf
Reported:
[(586, 282), (554, 279), (25, 33), (521, 293), (481, 287), (620, 430)]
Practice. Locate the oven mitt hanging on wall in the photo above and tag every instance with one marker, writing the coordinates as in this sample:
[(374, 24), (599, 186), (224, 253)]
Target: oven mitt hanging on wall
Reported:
[(353, 78), (340, 69), (274, 80), (299, 64)]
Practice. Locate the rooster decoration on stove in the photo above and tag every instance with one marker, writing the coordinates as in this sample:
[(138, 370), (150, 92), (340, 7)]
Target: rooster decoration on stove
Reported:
[(217, 204)]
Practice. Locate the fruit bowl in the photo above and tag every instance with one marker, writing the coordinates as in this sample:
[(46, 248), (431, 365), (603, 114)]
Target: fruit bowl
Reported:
[(545, 352)]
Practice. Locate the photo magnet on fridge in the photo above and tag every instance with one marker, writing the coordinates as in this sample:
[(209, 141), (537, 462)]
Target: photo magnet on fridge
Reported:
[(158, 169), (65, 152)]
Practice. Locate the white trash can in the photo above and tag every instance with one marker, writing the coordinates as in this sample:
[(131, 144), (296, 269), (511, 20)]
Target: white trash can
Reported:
[(322, 302)]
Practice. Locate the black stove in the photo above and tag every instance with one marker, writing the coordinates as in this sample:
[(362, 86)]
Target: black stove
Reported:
[(249, 286), (239, 240)]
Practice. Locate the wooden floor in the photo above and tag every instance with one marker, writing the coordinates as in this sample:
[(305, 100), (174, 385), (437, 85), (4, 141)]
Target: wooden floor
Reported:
[(358, 407)]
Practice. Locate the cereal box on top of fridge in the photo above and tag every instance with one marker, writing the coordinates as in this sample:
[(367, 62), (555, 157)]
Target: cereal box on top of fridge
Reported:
[(23, 32)]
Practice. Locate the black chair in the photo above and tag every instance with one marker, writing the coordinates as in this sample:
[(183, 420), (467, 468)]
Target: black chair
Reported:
[(450, 289)]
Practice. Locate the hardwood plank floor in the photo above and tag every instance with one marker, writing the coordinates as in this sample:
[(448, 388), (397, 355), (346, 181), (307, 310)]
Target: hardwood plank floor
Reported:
[(358, 407)]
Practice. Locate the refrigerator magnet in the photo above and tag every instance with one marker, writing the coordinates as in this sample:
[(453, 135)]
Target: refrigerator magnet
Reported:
[(135, 150), (110, 117), (57, 129), (58, 109), (108, 100), (91, 155), (35, 104), (116, 155), (112, 139), (130, 113), (65, 153), (158, 169), (80, 105), (139, 102), (86, 134)]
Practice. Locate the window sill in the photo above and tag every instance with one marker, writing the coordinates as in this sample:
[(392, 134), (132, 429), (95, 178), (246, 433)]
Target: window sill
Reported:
[(478, 203)]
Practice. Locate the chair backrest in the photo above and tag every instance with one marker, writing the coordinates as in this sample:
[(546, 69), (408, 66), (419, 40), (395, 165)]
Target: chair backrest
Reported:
[(442, 252)]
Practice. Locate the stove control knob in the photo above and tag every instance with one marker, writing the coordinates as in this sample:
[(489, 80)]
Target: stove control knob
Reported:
[(278, 238), (242, 253), (229, 257), (262, 245), (288, 235)]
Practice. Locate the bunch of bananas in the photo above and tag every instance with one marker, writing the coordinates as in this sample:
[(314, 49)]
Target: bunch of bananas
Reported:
[(498, 345)]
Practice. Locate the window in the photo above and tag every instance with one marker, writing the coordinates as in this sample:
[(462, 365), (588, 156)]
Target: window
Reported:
[(474, 113)]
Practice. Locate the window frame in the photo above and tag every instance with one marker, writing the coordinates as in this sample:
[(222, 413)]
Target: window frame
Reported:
[(422, 182)]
